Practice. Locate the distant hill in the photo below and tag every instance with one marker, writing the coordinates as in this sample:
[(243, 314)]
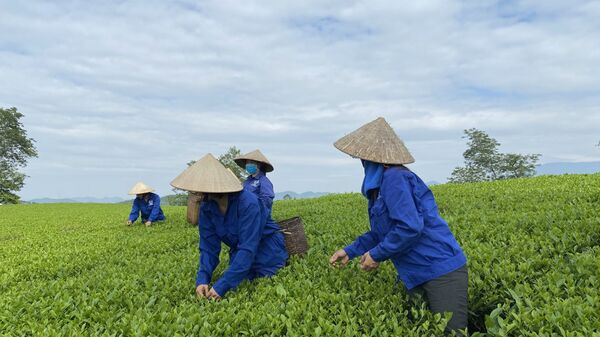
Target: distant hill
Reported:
[(167, 200), (181, 199), (303, 195), (108, 200), (51, 201), (566, 167), (172, 200)]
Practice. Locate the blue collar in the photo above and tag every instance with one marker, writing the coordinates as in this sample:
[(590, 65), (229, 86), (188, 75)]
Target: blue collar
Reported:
[(260, 174)]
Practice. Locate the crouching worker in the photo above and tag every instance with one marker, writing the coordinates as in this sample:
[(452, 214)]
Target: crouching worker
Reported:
[(146, 203), (406, 227), (235, 217)]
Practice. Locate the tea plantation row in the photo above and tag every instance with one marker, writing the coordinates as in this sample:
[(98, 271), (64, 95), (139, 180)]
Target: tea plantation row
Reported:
[(534, 266)]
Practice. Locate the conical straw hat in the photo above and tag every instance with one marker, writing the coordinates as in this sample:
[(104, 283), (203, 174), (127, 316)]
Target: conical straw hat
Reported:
[(377, 142), (140, 188), (255, 155), (207, 175)]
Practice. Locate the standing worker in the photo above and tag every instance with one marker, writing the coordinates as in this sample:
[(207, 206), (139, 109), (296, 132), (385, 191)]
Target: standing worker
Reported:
[(146, 203), (406, 227), (230, 215), (257, 166)]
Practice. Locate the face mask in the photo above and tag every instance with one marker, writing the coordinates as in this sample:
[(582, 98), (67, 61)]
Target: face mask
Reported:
[(373, 176), (251, 168)]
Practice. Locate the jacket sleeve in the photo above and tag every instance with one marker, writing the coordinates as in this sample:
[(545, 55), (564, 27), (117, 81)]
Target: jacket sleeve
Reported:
[(266, 195), (405, 220), (251, 223), (210, 248), (361, 245), (155, 208), (135, 210)]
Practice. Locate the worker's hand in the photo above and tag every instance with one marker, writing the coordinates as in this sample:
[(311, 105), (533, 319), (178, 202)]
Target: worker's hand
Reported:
[(202, 290), (213, 295), (367, 263), (129, 222), (339, 258), (148, 223)]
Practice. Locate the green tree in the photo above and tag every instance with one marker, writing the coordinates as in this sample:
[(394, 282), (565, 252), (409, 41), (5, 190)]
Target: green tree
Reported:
[(227, 159), (483, 162), (518, 165), (180, 198), (15, 149)]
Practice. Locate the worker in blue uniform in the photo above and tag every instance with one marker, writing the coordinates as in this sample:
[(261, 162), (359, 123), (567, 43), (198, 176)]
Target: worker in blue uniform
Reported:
[(256, 166), (232, 216), (145, 203), (405, 225)]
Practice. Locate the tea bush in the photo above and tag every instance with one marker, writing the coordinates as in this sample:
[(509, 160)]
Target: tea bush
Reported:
[(533, 247)]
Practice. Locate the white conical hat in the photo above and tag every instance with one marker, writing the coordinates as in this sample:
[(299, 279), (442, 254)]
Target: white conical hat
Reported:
[(207, 175), (257, 156), (377, 142), (140, 188)]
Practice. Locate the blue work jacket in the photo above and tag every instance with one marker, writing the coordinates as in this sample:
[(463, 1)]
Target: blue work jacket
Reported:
[(262, 187), (407, 229), (150, 209), (256, 248)]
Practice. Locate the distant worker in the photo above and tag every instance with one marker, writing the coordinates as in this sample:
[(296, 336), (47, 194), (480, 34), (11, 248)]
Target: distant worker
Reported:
[(231, 215), (146, 203), (257, 166), (406, 227)]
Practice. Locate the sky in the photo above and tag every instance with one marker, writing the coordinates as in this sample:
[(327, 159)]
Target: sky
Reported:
[(119, 91)]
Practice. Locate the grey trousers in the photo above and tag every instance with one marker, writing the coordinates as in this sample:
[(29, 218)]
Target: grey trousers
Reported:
[(447, 293)]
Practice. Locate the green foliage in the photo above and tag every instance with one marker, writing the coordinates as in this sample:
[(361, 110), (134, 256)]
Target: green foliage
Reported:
[(15, 150), (534, 268), (483, 162), (227, 160), (11, 181), (178, 199)]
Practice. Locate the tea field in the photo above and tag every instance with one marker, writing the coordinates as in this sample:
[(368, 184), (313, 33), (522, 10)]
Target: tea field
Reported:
[(534, 266)]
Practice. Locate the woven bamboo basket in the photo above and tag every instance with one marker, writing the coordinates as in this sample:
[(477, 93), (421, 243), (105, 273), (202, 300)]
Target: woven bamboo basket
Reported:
[(294, 235), (193, 208)]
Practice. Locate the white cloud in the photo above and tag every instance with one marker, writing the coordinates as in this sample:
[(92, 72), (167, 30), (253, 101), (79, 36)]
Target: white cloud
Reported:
[(130, 89)]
